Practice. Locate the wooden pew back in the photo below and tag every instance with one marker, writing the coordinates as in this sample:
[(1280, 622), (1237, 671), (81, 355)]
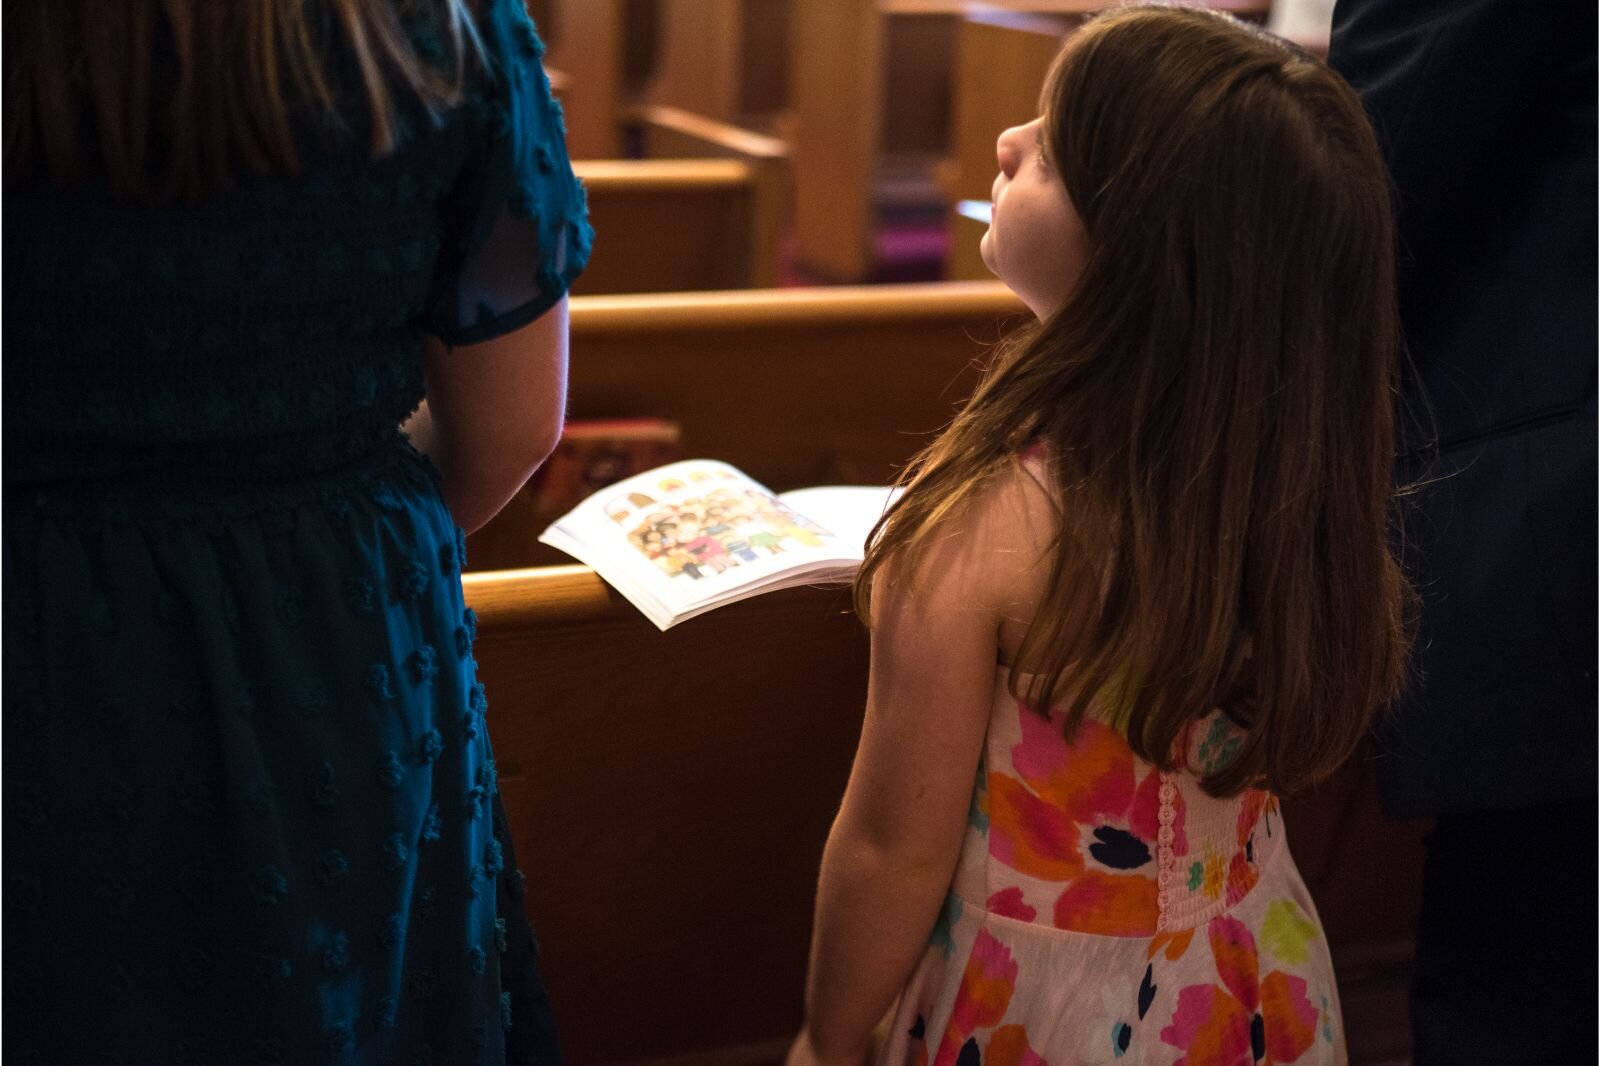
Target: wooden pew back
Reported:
[(588, 53), (673, 224), (722, 59), (870, 76), (838, 48), (796, 387), (673, 133), (669, 795)]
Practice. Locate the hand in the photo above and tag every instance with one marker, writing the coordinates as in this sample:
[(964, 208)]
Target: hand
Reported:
[(802, 1053)]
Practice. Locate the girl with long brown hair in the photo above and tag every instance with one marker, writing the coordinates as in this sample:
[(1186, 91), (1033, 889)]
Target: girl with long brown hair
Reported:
[(1139, 587), (285, 312)]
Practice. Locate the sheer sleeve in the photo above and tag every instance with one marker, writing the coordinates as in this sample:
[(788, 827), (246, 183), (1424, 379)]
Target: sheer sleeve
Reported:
[(516, 227)]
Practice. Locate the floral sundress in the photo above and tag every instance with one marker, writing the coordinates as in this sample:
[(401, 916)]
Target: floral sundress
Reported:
[(1106, 912)]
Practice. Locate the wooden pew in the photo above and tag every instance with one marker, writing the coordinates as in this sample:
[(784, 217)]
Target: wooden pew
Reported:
[(673, 133), (668, 225), (860, 100), (796, 387), (853, 61), (584, 56), (669, 795), (599, 53), (724, 60), (864, 373)]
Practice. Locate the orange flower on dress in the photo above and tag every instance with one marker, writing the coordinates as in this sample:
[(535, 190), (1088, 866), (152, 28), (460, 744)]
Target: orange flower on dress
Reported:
[(1175, 943), (1081, 813), (1009, 1047), (1246, 1020), (1242, 871)]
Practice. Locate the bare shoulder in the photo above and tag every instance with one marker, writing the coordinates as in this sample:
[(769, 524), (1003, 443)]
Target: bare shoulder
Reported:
[(1025, 524), (992, 552)]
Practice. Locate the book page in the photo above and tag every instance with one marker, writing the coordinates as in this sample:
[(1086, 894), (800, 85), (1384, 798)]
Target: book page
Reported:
[(849, 511), (696, 533)]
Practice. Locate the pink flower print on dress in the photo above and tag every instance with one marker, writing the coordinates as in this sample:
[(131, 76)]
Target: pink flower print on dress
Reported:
[(1246, 1021), (987, 984), (1085, 813), (1009, 902)]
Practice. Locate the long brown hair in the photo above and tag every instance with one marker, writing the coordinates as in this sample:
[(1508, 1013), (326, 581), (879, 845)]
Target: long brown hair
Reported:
[(82, 83), (1216, 399)]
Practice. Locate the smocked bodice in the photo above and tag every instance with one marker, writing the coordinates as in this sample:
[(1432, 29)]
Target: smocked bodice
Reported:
[(1082, 834), (1106, 911)]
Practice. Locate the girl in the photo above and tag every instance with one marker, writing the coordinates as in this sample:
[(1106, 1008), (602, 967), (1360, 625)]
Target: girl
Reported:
[(1139, 587)]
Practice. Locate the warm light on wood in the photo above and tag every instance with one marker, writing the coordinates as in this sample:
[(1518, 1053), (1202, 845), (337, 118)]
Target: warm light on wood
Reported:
[(674, 224), (624, 175), (791, 308), (544, 594)]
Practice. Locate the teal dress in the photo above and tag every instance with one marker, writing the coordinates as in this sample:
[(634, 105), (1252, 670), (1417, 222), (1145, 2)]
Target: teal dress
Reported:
[(250, 804)]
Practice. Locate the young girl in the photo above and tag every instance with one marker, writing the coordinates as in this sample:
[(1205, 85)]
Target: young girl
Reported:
[(1140, 586)]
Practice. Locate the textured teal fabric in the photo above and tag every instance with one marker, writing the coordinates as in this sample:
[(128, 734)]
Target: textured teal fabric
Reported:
[(250, 801)]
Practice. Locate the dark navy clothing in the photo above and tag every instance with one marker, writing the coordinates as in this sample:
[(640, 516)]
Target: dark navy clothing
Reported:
[(250, 800), (1486, 113)]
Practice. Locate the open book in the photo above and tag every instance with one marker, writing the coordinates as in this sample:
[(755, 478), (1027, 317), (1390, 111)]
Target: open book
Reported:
[(685, 538)]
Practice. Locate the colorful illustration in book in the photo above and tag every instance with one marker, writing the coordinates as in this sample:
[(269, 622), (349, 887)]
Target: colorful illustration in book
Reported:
[(694, 530)]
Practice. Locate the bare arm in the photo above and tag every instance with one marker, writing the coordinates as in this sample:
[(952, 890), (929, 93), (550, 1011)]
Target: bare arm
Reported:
[(894, 847), (493, 413)]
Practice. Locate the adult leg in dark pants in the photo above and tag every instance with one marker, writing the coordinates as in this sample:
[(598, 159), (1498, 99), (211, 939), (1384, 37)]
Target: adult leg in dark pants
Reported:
[(1505, 969)]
